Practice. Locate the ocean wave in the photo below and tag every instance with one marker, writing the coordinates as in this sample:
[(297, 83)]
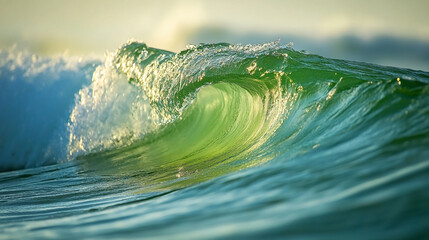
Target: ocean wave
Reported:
[(212, 104), (219, 140)]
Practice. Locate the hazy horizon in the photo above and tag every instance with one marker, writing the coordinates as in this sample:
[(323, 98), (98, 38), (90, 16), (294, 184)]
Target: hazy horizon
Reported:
[(94, 27)]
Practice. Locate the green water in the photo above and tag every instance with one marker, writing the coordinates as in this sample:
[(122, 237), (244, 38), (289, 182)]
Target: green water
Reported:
[(230, 141)]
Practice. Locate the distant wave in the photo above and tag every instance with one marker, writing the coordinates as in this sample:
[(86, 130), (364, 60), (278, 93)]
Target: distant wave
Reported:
[(36, 96)]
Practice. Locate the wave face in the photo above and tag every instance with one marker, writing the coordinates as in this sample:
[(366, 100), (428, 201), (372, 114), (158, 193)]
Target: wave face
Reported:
[(218, 141)]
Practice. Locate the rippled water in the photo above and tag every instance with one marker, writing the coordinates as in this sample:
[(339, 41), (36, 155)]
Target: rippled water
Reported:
[(217, 141)]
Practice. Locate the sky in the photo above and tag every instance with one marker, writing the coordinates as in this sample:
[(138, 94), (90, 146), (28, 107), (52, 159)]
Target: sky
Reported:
[(96, 26)]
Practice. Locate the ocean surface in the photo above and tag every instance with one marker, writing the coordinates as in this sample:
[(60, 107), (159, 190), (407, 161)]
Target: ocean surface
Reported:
[(218, 141)]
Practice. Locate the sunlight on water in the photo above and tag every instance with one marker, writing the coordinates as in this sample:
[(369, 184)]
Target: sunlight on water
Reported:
[(216, 141)]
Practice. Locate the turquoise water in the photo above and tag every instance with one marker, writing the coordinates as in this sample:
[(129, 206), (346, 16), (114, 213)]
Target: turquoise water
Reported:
[(217, 141)]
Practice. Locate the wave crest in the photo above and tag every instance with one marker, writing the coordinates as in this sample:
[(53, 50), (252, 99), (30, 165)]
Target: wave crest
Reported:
[(140, 89)]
